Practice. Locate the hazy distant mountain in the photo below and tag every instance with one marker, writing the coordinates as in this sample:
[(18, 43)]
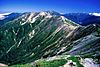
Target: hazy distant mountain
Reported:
[(36, 35), (6, 17), (84, 18)]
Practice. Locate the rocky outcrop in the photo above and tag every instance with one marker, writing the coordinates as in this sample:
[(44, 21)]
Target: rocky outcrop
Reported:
[(88, 62), (3, 65)]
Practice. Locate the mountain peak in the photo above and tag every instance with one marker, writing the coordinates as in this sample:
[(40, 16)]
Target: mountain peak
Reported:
[(42, 13)]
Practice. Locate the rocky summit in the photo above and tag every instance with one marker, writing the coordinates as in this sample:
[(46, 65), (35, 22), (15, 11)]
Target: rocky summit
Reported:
[(36, 35)]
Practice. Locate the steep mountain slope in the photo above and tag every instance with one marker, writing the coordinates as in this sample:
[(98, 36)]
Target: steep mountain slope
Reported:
[(31, 35), (45, 34), (84, 18)]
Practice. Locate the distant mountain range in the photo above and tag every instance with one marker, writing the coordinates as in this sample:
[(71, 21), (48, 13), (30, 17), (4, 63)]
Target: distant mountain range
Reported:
[(30, 36), (80, 18), (84, 18)]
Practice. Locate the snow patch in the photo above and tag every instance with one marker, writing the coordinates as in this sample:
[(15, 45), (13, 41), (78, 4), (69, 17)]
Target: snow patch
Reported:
[(62, 49), (33, 20), (42, 13), (52, 58), (31, 16), (31, 34), (23, 23), (63, 18), (49, 16)]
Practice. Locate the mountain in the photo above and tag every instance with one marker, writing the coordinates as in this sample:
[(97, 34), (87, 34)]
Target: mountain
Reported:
[(84, 18), (80, 18), (6, 17), (36, 35)]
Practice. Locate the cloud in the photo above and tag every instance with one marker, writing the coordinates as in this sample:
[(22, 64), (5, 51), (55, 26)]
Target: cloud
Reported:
[(95, 14), (2, 16)]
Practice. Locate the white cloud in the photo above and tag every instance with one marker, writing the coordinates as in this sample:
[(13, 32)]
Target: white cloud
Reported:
[(95, 14), (2, 16)]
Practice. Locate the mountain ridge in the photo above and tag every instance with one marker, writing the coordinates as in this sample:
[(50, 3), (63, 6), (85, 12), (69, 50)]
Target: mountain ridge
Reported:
[(80, 18), (40, 35)]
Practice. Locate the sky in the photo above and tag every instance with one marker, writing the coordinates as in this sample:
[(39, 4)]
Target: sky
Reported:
[(61, 6)]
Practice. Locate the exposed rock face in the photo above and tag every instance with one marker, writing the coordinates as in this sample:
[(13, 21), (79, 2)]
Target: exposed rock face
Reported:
[(70, 63), (88, 62), (3, 65), (37, 35)]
